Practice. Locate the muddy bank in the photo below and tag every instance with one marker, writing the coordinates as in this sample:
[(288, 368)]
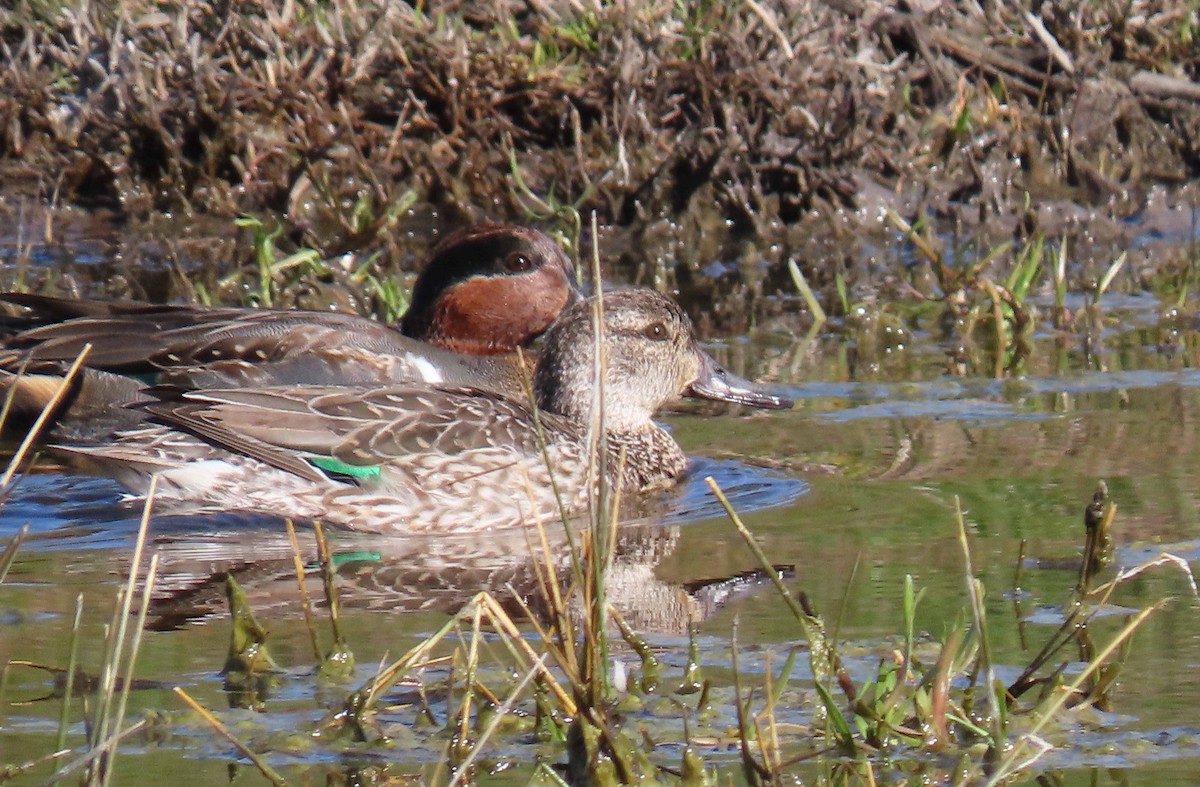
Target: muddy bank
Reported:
[(694, 131)]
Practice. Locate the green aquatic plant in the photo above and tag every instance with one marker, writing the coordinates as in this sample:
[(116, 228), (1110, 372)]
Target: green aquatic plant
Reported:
[(1058, 260), (810, 298), (975, 298), (933, 705), (276, 272), (698, 21), (393, 297), (270, 264), (1107, 279), (249, 672), (565, 216)]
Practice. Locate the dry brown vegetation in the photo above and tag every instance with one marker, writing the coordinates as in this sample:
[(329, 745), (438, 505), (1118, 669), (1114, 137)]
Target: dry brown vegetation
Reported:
[(768, 110), (690, 128)]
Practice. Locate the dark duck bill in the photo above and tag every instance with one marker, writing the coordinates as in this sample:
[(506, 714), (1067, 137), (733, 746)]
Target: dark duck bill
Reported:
[(716, 383)]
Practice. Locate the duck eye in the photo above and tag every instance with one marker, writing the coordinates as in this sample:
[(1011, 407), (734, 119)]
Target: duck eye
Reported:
[(656, 332), (518, 262)]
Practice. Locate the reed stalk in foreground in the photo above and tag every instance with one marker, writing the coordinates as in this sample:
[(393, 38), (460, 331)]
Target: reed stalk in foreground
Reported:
[(105, 727), (919, 704)]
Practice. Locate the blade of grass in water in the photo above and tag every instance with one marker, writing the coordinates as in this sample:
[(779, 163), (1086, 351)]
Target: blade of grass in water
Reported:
[(806, 292), (975, 593), (305, 602), (1011, 762), (264, 768), (72, 662), (9, 555), (464, 768), (43, 417), (134, 649), (822, 654), (126, 603)]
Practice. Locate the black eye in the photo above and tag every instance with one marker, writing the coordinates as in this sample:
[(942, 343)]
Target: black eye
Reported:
[(518, 262), (656, 332)]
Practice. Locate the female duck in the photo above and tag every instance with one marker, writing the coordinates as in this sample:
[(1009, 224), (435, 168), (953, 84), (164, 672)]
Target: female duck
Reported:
[(409, 459)]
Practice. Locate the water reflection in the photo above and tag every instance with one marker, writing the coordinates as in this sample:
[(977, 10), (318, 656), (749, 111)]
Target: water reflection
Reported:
[(385, 573), (420, 574)]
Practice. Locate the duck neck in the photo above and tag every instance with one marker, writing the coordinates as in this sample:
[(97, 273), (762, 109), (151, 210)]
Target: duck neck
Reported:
[(652, 458)]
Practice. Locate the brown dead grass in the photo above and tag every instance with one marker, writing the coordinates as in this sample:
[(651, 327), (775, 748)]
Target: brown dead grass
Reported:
[(689, 127)]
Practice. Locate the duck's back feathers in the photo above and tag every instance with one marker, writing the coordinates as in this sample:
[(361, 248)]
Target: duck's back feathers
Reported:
[(400, 459), (287, 427)]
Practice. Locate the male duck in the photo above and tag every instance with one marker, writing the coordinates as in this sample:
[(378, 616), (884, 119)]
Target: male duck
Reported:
[(486, 290), (435, 459)]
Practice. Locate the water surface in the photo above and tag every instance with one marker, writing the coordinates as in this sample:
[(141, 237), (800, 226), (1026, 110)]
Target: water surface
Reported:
[(853, 490)]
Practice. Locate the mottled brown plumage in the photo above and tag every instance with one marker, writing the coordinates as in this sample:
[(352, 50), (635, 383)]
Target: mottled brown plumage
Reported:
[(410, 459)]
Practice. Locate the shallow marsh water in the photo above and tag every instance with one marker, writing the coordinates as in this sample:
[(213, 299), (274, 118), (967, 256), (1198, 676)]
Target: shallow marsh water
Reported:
[(853, 489)]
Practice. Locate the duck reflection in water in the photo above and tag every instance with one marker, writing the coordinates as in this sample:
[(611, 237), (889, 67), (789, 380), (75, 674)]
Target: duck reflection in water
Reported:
[(434, 574)]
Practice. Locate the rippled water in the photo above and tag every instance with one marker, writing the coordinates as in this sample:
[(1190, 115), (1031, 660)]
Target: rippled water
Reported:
[(852, 490)]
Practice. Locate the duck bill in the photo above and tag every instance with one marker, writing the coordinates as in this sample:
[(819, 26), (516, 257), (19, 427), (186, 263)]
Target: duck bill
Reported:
[(717, 384), (578, 290), (575, 293)]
